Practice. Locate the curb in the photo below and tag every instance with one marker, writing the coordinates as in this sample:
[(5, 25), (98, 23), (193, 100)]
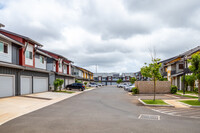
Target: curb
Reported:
[(191, 106), (154, 105)]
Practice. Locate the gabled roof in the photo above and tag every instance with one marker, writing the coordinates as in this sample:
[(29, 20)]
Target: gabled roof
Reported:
[(21, 36), (187, 53), (43, 53), (55, 55), (12, 40), (83, 69)]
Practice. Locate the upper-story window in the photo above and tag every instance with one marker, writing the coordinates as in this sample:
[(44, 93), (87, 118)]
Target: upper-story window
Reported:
[(3, 47), (29, 54), (42, 59)]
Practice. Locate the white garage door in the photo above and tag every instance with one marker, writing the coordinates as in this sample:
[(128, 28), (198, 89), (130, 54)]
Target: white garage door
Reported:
[(7, 85), (66, 82), (26, 85), (40, 84)]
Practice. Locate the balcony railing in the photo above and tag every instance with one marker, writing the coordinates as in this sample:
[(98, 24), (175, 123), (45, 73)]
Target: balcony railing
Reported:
[(173, 72)]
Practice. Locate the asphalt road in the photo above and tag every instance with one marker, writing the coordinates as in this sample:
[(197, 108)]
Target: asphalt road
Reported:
[(104, 110)]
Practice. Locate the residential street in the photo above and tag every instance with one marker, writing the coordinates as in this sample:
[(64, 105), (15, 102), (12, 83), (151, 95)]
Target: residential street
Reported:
[(103, 110)]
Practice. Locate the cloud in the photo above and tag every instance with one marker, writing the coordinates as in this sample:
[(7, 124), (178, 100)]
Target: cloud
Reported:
[(114, 35)]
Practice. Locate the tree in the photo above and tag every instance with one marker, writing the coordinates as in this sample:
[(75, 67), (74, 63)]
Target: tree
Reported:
[(152, 71), (195, 68), (61, 83), (133, 79), (185, 81), (119, 81), (85, 83), (58, 83)]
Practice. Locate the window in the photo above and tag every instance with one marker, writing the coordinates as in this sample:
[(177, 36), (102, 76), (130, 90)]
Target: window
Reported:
[(29, 54), (42, 59), (180, 66), (3, 47)]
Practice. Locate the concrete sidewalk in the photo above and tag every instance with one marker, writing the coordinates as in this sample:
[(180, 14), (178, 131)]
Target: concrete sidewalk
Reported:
[(13, 107)]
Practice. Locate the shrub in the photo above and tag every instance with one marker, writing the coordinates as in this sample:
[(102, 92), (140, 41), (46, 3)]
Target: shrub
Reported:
[(58, 83), (85, 83), (135, 90), (195, 89), (173, 89)]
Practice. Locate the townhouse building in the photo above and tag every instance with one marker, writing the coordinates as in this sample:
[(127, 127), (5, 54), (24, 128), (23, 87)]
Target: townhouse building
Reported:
[(107, 78), (174, 68), (111, 78), (20, 70), (82, 74), (60, 68), (25, 68)]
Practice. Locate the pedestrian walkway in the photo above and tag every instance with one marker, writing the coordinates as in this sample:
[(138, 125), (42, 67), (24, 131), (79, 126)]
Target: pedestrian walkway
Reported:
[(176, 103)]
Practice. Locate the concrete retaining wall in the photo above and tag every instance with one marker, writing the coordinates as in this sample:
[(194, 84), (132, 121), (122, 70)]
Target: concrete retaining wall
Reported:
[(147, 87)]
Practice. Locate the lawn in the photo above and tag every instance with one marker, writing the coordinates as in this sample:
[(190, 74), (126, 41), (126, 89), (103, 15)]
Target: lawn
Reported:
[(191, 102), (63, 91), (187, 92), (156, 102), (186, 96)]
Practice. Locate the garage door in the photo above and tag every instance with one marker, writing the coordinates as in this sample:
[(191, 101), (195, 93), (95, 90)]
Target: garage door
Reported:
[(26, 85), (66, 81), (7, 85), (40, 84)]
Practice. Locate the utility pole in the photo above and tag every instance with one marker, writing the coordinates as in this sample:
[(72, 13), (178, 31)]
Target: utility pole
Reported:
[(183, 75), (96, 68)]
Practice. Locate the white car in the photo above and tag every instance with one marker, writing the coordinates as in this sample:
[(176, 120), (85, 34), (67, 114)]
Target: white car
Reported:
[(99, 84), (129, 87), (93, 85), (121, 85)]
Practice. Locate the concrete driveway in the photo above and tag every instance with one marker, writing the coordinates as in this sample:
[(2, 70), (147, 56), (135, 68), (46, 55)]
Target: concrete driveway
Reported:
[(13, 107), (103, 110)]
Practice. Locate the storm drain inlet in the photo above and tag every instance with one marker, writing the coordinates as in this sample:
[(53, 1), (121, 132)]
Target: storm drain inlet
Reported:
[(149, 117)]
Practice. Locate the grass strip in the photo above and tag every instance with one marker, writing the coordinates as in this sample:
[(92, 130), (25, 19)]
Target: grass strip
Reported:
[(191, 102), (70, 92), (156, 102), (186, 96)]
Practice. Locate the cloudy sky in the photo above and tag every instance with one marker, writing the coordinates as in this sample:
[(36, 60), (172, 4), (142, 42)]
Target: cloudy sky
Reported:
[(115, 35)]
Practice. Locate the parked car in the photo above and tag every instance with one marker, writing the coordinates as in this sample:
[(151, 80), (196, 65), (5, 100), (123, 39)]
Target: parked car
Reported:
[(100, 84), (93, 85), (79, 86), (129, 87), (121, 85)]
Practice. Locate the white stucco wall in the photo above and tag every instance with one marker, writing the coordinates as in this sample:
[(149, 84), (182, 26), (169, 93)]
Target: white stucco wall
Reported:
[(6, 57), (39, 64)]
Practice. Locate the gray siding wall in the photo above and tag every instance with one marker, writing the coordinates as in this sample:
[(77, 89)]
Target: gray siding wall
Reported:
[(50, 64), (15, 54), (18, 73), (51, 79)]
